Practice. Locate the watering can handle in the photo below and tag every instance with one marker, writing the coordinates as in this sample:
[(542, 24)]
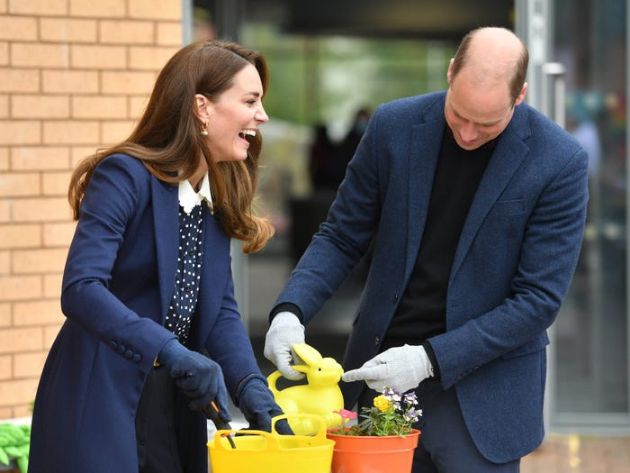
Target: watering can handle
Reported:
[(321, 432)]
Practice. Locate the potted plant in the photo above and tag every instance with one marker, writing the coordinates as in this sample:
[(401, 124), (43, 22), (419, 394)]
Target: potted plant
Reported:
[(384, 440)]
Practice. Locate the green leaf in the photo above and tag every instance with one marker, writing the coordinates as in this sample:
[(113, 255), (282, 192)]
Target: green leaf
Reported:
[(4, 458)]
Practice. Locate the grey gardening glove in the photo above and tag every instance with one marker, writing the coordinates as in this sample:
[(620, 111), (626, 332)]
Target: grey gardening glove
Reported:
[(401, 368), (285, 331)]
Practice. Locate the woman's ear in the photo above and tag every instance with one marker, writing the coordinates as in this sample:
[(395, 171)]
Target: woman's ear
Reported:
[(202, 108)]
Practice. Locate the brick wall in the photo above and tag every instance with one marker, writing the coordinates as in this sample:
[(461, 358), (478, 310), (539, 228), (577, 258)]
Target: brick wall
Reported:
[(74, 75)]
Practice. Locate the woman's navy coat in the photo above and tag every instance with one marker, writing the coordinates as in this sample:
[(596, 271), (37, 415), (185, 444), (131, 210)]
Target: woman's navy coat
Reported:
[(118, 282)]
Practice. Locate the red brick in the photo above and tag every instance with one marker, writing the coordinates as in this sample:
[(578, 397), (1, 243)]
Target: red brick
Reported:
[(15, 288), (19, 184), (51, 209), (68, 30), (19, 132), (75, 82), (155, 9), (38, 7), (39, 261), (28, 365), (5, 262), (5, 211), (98, 57), (42, 312), (40, 158), (149, 58), (17, 28), (13, 340), (126, 32), (4, 106), (55, 183), (40, 106), (100, 9), (40, 55), (5, 314), (19, 80), (133, 83), (58, 234), (71, 132), (52, 285), (137, 105), (79, 153), (50, 333), (20, 236), (169, 33), (116, 131), (4, 159), (17, 391), (99, 107), (6, 371)]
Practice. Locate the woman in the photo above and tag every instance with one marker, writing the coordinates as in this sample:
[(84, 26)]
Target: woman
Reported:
[(153, 335)]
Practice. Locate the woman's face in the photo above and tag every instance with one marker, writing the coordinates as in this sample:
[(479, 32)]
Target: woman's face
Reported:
[(235, 117)]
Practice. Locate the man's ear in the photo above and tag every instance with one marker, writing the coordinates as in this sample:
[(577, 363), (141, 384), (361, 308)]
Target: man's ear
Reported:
[(449, 71), (202, 107), (521, 95)]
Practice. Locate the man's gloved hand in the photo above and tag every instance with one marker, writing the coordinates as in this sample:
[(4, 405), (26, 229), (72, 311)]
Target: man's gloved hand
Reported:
[(258, 406), (401, 368), (197, 376), (285, 330)]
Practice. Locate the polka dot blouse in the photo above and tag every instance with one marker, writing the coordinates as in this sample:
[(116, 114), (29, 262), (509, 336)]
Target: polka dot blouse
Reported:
[(184, 301)]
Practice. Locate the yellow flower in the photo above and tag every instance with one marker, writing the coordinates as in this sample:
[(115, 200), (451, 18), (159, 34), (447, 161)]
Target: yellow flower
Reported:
[(382, 403)]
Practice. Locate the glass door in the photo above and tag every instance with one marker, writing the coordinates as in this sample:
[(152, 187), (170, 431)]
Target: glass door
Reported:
[(582, 46)]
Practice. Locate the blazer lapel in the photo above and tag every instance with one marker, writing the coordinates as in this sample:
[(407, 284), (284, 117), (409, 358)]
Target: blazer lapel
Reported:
[(215, 265), (166, 222), (506, 159), (424, 148)]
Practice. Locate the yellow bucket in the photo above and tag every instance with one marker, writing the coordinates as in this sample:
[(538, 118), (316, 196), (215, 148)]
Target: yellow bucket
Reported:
[(264, 452)]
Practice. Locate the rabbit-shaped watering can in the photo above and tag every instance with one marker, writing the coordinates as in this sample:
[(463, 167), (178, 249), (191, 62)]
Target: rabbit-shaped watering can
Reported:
[(321, 396)]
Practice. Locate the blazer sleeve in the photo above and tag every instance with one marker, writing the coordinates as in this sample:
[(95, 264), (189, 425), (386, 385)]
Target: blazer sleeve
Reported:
[(345, 235), (548, 257), (112, 197), (228, 343)]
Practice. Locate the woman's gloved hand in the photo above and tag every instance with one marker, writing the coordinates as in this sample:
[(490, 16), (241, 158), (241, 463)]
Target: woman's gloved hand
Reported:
[(197, 376), (258, 406)]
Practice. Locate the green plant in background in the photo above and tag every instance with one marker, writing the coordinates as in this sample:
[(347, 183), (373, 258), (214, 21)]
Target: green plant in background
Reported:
[(14, 445)]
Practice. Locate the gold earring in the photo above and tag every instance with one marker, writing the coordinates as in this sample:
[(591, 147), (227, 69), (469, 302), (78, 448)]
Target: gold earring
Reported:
[(204, 129)]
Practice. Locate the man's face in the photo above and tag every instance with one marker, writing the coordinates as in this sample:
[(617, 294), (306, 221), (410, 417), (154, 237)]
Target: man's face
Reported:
[(477, 113)]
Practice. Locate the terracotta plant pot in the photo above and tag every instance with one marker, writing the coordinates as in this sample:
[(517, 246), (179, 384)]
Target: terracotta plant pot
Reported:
[(371, 454)]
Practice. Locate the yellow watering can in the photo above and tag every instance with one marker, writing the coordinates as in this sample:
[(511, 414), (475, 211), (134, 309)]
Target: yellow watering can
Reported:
[(321, 396)]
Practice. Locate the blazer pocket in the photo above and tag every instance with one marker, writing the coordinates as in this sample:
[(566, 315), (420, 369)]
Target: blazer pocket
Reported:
[(531, 347), (507, 208)]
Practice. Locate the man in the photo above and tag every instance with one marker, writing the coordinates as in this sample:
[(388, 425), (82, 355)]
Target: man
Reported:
[(475, 206)]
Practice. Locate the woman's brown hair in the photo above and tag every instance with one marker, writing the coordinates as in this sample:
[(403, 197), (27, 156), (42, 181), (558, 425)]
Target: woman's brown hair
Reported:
[(168, 141)]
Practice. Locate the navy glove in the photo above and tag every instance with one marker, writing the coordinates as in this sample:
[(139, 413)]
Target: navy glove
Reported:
[(258, 406), (197, 376)]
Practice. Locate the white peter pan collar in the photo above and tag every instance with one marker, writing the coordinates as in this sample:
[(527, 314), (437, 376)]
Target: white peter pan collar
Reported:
[(188, 198)]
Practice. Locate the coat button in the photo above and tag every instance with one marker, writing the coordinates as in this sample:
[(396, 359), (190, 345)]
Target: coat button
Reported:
[(377, 340), (137, 358), (121, 349), (128, 354), (395, 297)]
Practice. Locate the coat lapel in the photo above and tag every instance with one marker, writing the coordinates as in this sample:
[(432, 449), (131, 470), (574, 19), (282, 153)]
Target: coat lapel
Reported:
[(424, 149), (166, 222), (506, 159)]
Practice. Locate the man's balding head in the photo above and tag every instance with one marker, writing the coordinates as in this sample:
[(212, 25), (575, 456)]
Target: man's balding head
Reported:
[(492, 55)]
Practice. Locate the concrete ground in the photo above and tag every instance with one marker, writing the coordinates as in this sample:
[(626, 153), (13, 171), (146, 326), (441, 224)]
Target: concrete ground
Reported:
[(579, 454)]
